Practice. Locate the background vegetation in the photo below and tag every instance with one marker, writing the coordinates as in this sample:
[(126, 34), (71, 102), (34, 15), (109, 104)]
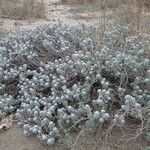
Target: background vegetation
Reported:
[(132, 13), (22, 9)]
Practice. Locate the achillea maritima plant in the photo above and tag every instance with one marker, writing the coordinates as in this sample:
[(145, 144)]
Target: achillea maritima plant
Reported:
[(57, 78)]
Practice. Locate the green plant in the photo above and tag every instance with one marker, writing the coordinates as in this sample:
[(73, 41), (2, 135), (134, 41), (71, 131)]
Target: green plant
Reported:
[(59, 79)]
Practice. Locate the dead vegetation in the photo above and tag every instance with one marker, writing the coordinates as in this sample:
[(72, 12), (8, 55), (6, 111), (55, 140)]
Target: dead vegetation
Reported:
[(132, 13), (22, 9)]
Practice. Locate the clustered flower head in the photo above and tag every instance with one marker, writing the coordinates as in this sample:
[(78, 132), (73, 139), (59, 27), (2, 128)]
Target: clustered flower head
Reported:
[(54, 78)]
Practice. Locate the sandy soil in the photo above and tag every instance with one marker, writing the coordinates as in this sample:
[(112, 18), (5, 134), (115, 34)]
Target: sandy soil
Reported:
[(13, 139)]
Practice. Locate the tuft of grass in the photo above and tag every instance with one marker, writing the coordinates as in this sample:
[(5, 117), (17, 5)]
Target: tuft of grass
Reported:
[(22, 9)]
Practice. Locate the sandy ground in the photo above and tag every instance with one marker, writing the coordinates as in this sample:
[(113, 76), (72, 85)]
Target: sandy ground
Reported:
[(13, 139)]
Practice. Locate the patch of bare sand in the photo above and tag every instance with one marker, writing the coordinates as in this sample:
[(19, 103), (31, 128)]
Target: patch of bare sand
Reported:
[(13, 139)]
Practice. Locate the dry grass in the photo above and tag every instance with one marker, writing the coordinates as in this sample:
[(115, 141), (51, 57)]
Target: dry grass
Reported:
[(2, 32), (79, 1), (22, 9), (109, 3), (133, 13)]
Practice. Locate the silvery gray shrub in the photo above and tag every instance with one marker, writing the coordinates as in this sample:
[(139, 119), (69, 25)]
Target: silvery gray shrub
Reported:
[(55, 77)]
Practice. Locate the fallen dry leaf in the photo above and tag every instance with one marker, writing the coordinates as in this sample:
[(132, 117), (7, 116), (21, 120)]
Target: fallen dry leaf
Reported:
[(6, 122)]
